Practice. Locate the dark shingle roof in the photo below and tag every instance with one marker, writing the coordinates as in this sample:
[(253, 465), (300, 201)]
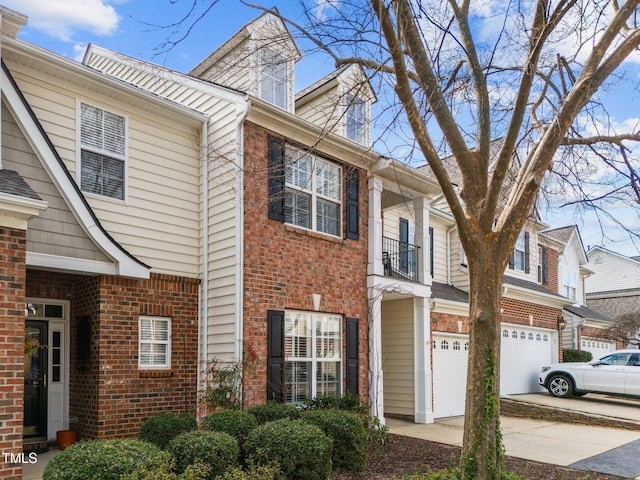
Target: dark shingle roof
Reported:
[(518, 282), (11, 183), (586, 312), (448, 292)]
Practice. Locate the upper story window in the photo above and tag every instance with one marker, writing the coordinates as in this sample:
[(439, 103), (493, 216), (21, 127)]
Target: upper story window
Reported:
[(519, 259), (569, 284), (273, 78), (154, 342), (313, 192), (102, 152), (356, 119)]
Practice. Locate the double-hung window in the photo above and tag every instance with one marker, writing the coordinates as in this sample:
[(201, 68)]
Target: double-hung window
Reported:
[(313, 192), (154, 347), (313, 366), (519, 253), (355, 119), (569, 284), (102, 152), (273, 78)]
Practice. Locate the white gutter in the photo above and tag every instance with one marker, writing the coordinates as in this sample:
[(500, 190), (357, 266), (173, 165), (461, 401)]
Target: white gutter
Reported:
[(449, 254), (241, 114), (203, 353)]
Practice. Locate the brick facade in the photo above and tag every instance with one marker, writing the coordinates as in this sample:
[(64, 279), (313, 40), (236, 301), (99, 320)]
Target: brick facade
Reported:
[(13, 243), (284, 265), (110, 395)]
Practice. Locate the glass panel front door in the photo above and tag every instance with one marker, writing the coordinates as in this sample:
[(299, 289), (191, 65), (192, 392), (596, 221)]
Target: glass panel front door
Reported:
[(35, 379)]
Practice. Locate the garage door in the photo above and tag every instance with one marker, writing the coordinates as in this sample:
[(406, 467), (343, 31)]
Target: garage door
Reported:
[(524, 351), (450, 354), (598, 348)]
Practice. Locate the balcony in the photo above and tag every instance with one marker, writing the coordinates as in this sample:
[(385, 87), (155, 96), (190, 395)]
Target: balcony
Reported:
[(400, 259)]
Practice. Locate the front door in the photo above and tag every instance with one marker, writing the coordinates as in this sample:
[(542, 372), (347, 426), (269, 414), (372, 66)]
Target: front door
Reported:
[(36, 368)]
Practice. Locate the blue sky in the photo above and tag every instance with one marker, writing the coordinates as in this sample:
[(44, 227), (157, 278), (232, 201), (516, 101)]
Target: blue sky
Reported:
[(132, 27)]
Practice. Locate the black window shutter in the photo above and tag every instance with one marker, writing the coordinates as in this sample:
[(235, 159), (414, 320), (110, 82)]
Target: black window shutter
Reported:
[(431, 253), (545, 266), (275, 355), (352, 356), (512, 260), (526, 253), (276, 178), (353, 203)]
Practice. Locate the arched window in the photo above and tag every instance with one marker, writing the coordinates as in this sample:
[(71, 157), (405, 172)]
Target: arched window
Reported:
[(444, 345)]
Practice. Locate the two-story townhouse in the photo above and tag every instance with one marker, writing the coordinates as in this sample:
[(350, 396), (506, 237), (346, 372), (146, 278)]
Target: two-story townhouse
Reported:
[(286, 236), (582, 322), (614, 288), (99, 251)]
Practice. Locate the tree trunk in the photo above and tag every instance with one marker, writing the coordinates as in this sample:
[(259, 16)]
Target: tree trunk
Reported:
[(483, 452)]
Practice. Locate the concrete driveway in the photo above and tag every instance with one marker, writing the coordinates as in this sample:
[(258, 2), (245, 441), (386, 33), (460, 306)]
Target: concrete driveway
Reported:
[(597, 448)]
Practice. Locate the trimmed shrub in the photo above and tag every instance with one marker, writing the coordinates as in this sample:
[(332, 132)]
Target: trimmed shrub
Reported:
[(164, 469), (271, 411), (349, 402), (347, 433), (218, 450), (236, 423), (163, 428), (270, 471), (301, 449), (100, 460), (570, 355)]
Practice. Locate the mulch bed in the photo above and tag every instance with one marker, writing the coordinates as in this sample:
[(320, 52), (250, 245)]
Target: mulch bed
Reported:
[(405, 455)]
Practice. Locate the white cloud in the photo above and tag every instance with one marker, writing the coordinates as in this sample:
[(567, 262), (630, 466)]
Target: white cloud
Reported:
[(61, 19)]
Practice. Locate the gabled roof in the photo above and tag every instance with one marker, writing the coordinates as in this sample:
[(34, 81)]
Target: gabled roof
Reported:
[(592, 250), (241, 35), (11, 183), (564, 235), (332, 79), (125, 263)]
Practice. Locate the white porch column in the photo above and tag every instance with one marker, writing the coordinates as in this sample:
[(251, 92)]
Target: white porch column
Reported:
[(423, 398), (375, 227), (376, 400), (422, 240)]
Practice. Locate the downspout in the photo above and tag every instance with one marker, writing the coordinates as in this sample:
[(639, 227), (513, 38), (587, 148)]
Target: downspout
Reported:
[(449, 254), (241, 114), (203, 352)]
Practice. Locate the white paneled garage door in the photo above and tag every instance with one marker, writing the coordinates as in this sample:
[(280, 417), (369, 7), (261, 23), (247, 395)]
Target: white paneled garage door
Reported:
[(450, 353), (597, 347), (524, 351)]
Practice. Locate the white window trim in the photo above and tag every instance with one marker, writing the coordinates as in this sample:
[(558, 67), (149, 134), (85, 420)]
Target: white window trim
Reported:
[(570, 284), (167, 364), (313, 359), (287, 83), (363, 140), (521, 237), (79, 149), (311, 190)]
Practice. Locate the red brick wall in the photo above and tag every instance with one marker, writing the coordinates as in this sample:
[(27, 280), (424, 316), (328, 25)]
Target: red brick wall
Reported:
[(552, 259), (285, 265), (111, 397), (12, 304)]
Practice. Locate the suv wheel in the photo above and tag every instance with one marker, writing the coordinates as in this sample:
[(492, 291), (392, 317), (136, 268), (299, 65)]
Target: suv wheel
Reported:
[(560, 386)]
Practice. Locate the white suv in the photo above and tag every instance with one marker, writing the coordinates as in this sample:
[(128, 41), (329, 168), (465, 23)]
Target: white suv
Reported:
[(616, 373)]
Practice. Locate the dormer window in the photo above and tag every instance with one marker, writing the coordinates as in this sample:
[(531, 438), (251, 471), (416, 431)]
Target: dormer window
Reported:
[(519, 259), (273, 78), (356, 119)]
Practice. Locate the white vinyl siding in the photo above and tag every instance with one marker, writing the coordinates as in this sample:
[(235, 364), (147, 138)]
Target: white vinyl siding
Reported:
[(159, 222), (154, 346), (397, 357)]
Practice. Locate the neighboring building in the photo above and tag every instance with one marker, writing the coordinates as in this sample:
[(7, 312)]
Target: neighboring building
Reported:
[(583, 324), (614, 288), (99, 243)]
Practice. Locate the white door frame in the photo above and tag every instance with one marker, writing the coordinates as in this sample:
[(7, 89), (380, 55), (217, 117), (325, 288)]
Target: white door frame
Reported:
[(57, 394)]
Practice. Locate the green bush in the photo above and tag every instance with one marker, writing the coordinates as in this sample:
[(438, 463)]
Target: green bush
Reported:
[(163, 468), (163, 428), (349, 402), (100, 460), (218, 450), (271, 411), (301, 449), (269, 471), (236, 423), (570, 355), (347, 433)]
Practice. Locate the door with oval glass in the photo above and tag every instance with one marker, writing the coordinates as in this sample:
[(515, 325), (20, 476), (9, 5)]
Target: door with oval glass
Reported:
[(36, 368)]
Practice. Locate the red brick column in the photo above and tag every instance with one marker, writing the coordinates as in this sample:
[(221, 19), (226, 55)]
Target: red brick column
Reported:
[(13, 245)]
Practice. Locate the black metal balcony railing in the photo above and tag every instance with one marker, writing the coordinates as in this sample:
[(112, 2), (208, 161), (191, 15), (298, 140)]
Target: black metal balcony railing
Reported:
[(400, 259)]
